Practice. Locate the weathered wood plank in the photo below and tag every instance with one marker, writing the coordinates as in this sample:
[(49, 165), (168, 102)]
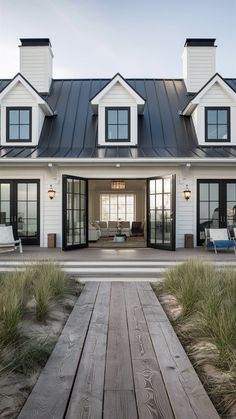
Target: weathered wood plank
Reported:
[(118, 318), (145, 286), (147, 296), (51, 392), (119, 374), (89, 293), (179, 401), (187, 395), (134, 310), (193, 387), (154, 314), (141, 345), (150, 391), (87, 396), (152, 399), (119, 405)]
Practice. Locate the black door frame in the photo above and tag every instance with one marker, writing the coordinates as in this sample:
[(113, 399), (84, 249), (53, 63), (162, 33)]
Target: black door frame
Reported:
[(173, 203), (172, 245), (64, 213), (222, 203), (13, 208)]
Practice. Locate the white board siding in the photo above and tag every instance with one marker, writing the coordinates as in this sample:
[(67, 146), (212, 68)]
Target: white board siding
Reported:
[(36, 66), (51, 210), (215, 96), (118, 96), (199, 65), (20, 96)]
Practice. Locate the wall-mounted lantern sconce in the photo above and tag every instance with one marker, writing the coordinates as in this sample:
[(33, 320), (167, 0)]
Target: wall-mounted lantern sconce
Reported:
[(187, 193), (51, 192)]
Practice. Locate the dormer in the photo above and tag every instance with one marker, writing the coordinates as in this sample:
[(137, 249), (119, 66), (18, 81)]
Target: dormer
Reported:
[(22, 113), (212, 102), (213, 110), (117, 106), (22, 105)]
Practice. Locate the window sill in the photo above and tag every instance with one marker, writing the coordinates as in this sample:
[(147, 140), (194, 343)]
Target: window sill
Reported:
[(217, 141), (18, 144)]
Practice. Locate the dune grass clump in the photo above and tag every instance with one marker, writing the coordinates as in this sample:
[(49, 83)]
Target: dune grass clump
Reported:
[(12, 303), (186, 282), (44, 282), (25, 357), (209, 296), (217, 313), (206, 324), (42, 295), (57, 279), (48, 281)]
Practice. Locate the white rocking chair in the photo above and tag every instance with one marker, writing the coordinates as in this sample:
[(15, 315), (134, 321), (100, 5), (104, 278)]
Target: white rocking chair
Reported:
[(7, 239)]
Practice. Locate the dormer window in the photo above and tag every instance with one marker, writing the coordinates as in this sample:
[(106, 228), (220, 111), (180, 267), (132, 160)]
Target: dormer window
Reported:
[(217, 124), (19, 125), (118, 105), (117, 124)]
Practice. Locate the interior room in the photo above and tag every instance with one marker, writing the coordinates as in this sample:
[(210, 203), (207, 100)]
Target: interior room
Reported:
[(117, 213)]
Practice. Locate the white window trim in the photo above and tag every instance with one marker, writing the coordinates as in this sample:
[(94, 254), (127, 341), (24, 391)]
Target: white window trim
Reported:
[(133, 127), (34, 128)]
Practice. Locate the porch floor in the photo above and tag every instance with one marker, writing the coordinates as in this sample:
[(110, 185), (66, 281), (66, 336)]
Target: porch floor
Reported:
[(35, 253), (118, 358)]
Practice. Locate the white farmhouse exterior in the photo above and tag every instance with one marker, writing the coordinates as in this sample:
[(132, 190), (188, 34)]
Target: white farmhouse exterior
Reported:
[(158, 136)]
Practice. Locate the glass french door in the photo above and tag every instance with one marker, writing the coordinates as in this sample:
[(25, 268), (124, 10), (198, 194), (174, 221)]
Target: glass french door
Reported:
[(216, 205), (161, 212), (20, 207), (75, 212)]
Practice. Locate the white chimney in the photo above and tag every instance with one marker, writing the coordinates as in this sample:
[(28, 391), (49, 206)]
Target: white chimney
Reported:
[(199, 62), (36, 62)]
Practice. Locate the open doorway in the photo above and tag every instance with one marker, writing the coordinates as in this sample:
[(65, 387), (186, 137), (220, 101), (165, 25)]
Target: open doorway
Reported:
[(117, 213)]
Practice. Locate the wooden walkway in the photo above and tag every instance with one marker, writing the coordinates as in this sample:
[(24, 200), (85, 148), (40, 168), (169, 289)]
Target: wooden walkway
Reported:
[(118, 358)]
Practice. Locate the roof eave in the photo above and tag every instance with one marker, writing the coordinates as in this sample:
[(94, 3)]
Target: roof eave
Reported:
[(128, 161)]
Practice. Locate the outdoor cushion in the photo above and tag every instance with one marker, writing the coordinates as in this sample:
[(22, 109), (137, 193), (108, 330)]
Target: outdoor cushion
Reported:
[(222, 243), (219, 238)]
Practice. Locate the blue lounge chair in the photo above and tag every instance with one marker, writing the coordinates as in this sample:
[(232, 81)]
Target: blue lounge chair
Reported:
[(218, 238)]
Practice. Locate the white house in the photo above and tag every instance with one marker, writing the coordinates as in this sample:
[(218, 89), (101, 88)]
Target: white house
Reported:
[(158, 137)]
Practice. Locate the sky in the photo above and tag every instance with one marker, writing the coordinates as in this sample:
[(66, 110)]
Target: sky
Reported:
[(98, 38)]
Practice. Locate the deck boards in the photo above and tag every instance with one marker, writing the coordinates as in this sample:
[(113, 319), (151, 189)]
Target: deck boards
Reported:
[(118, 358)]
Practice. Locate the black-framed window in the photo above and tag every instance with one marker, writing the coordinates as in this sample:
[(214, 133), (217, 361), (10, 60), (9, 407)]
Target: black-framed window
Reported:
[(217, 124), (118, 124), (19, 124)]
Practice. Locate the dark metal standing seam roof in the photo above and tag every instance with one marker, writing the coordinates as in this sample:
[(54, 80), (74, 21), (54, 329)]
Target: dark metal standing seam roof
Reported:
[(162, 131)]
